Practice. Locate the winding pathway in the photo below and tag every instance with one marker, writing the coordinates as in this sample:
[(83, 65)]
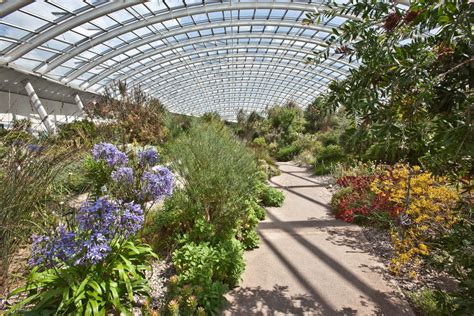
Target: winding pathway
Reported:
[(309, 263)]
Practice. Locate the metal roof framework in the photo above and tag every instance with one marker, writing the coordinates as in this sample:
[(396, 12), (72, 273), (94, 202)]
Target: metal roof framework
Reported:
[(195, 55)]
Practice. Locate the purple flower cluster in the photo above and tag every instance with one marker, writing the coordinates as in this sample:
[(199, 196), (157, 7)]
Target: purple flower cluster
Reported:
[(148, 157), (35, 148), (110, 154), (99, 224), (47, 251), (123, 175), (158, 183)]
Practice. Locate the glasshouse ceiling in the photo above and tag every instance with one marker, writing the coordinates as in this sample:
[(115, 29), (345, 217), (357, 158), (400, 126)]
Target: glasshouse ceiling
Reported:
[(195, 56)]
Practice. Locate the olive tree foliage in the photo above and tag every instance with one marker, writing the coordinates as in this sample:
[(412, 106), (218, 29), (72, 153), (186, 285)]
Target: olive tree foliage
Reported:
[(411, 96)]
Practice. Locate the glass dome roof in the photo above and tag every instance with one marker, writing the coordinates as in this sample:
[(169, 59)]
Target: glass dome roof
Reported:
[(195, 56)]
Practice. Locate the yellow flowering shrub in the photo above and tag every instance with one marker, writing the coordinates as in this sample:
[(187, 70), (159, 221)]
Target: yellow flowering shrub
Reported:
[(427, 207)]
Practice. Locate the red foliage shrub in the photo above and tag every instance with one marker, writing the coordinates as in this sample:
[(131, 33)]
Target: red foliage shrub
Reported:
[(360, 200)]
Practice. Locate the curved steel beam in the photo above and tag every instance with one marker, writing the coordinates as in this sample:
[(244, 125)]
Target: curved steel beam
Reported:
[(265, 81), (58, 29), (158, 72), (218, 99), (243, 73), (211, 58), (47, 67), (110, 71), (173, 84), (190, 10), (249, 79), (237, 92), (11, 6), (153, 52), (243, 94), (196, 41), (248, 85)]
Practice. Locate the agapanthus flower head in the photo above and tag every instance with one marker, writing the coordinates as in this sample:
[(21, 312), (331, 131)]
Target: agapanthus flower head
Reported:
[(110, 154), (94, 249), (123, 175), (49, 250), (34, 148), (158, 183), (148, 157), (99, 223), (97, 216), (131, 219)]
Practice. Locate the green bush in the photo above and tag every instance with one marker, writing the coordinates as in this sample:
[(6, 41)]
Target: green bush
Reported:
[(72, 178), (287, 153), (259, 212), (231, 261), (326, 158), (93, 290), (202, 220), (329, 138), (78, 132), (212, 269), (217, 172), (269, 167), (246, 232), (425, 302), (17, 137), (270, 196)]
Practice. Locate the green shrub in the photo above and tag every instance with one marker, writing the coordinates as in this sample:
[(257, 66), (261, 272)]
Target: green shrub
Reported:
[(269, 167), (165, 227), (259, 142), (231, 261), (217, 172), (425, 302), (270, 196), (211, 269), (27, 180), (259, 212), (329, 138), (17, 137), (304, 158), (93, 290), (250, 239), (78, 132), (246, 232), (287, 153), (72, 178), (326, 158), (195, 263), (202, 220)]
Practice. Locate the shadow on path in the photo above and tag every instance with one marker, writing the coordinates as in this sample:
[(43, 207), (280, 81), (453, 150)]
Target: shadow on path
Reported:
[(258, 301)]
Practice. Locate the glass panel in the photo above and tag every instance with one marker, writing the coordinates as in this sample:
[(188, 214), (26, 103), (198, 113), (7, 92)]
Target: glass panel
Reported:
[(12, 32), (24, 20)]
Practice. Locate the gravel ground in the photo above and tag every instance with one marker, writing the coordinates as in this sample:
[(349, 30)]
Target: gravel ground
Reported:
[(381, 246), (157, 277)]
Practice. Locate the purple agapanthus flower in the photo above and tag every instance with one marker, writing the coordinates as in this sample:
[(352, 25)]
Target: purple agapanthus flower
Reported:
[(123, 175), (97, 216), (148, 157), (94, 249), (131, 219), (158, 183), (99, 223), (34, 148), (49, 250), (110, 154)]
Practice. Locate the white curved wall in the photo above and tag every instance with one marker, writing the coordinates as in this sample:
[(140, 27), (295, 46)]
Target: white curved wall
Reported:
[(17, 106)]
